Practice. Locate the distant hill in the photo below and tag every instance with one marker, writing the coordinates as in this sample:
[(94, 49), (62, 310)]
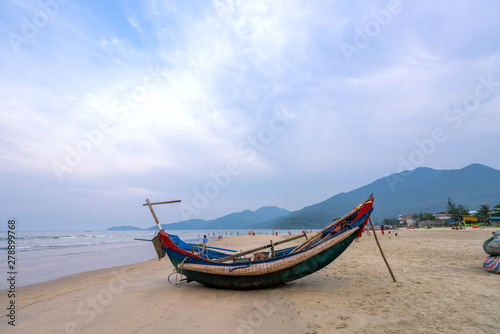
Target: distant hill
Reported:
[(191, 224), (420, 190), (237, 220), (124, 228)]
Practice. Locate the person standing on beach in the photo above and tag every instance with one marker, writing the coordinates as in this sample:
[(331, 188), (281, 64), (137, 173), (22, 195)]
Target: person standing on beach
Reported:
[(395, 232), (389, 234), (382, 230), (204, 246)]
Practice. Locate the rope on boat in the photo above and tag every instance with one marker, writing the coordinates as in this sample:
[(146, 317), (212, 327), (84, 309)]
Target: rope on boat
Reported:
[(177, 272), (248, 265)]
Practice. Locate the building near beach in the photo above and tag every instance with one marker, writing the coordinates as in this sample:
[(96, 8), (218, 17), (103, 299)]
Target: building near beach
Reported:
[(409, 219), (469, 219), (442, 216)]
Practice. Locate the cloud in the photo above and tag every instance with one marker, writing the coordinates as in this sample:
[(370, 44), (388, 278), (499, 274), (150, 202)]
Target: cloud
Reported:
[(133, 22)]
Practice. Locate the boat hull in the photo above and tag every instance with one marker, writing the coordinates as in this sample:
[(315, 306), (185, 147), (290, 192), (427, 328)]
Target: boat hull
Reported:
[(291, 264), (292, 273)]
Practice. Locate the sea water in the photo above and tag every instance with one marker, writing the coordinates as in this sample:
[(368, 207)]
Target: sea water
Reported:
[(43, 256)]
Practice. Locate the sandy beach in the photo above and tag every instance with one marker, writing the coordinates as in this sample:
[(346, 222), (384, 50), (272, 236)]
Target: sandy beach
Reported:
[(441, 288)]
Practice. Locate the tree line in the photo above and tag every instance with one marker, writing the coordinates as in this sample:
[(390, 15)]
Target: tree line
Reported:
[(455, 211), (484, 212)]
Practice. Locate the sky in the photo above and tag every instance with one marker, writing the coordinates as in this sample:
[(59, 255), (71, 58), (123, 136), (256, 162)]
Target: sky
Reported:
[(230, 105)]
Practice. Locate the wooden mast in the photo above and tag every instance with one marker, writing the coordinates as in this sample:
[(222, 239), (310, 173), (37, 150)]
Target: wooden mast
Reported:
[(148, 203)]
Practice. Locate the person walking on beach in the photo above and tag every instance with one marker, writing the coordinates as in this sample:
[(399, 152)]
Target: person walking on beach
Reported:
[(395, 232), (204, 246), (382, 230), (389, 234)]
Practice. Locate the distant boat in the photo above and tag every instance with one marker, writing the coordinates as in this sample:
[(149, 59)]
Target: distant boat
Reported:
[(216, 267)]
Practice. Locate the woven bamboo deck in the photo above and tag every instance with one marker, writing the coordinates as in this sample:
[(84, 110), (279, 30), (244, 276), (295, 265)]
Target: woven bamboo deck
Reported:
[(250, 269)]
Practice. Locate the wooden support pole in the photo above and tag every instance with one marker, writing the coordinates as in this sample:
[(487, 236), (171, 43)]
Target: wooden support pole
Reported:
[(148, 203), (380, 248), (167, 202), (153, 213), (318, 235), (313, 239), (273, 253)]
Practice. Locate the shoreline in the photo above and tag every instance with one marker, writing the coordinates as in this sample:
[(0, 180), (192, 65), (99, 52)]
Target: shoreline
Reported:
[(41, 270), (441, 287)]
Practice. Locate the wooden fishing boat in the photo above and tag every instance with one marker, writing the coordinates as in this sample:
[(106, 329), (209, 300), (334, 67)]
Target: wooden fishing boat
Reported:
[(229, 269)]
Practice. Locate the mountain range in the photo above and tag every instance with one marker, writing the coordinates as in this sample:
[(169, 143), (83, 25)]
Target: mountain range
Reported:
[(421, 190), (244, 219)]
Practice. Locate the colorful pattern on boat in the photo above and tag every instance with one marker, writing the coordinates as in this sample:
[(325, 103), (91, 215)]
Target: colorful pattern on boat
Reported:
[(267, 267), (492, 264), (492, 245)]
